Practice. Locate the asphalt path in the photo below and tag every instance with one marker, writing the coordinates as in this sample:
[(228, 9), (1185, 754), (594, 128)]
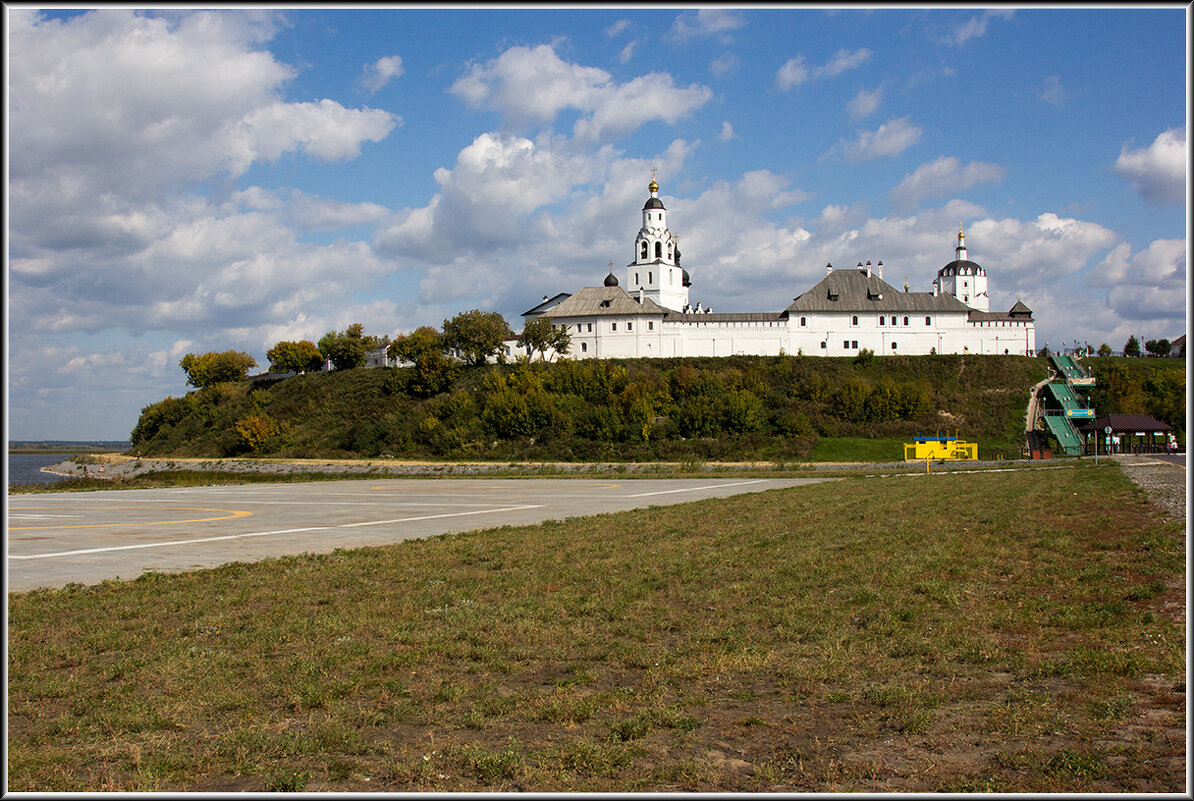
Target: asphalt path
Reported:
[(58, 538)]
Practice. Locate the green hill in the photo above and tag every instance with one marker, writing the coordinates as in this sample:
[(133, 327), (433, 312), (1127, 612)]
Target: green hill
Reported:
[(736, 408)]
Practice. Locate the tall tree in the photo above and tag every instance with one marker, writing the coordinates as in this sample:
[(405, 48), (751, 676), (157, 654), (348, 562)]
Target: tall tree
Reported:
[(347, 349), (1132, 346), (210, 368), (476, 335), (1158, 347), (301, 357), (540, 336), (423, 341)]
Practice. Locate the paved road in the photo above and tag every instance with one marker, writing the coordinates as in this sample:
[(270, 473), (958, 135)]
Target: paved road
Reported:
[(86, 537)]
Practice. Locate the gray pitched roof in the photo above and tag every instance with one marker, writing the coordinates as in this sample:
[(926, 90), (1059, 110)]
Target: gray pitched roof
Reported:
[(600, 301), (546, 304), (724, 317), (853, 290)]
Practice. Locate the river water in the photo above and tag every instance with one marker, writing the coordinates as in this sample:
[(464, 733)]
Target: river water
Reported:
[(25, 468)]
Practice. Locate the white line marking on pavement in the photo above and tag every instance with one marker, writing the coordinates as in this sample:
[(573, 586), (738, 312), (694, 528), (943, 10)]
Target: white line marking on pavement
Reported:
[(263, 533), (697, 489), (163, 544), (435, 517)]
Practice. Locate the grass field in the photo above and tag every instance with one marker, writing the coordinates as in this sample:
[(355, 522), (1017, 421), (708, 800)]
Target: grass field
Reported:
[(1017, 631)]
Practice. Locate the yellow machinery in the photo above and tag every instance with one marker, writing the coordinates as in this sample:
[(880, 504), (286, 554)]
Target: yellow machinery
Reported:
[(940, 446)]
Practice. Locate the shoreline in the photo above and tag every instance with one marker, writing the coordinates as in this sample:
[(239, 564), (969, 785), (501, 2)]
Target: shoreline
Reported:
[(115, 465)]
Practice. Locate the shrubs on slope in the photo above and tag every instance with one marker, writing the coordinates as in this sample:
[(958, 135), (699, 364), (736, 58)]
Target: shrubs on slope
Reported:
[(669, 409)]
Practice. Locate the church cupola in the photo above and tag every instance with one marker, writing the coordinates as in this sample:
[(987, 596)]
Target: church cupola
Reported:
[(656, 266), (964, 279)]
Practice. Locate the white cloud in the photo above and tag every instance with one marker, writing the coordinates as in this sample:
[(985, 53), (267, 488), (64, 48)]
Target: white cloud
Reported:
[(794, 71), (532, 86), (723, 64), (865, 103), (1157, 172), (940, 178), (705, 22), (325, 130), (1148, 285), (617, 28), (376, 75), (627, 52), (975, 27), (890, 139), (727, 132), (1053, 92)]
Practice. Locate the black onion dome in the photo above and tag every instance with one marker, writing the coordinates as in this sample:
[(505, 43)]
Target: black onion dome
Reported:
[(653, 203), (962, 267), (684, 275), (611, 280)]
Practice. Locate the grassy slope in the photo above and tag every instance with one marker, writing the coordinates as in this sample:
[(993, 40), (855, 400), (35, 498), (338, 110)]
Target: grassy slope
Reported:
[(868, 635), (367, 412)]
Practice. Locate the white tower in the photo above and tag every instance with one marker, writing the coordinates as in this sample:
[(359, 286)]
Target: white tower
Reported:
[(656, 267), (964, 279)]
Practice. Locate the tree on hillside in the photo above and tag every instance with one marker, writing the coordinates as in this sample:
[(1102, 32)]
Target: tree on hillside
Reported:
[(1104, 349), (476, 335), (540, 336), (424, 347), (347, 349), (1132, 346), (1158, 347), (301, 357), (210, 368), (423, 341)]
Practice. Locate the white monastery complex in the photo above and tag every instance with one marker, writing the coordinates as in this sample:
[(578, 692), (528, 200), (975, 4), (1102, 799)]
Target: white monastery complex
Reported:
[(649, 314)]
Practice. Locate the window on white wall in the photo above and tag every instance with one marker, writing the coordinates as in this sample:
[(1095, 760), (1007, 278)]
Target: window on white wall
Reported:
[(629, 326), (854, 320), (613, 326)]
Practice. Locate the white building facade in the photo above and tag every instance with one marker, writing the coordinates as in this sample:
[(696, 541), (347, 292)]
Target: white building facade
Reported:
[(845, 312)]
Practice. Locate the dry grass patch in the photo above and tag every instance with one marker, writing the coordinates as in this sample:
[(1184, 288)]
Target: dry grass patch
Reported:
[(1005, 631)]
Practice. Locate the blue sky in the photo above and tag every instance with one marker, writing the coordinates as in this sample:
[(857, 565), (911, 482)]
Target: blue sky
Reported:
[(185, 181)]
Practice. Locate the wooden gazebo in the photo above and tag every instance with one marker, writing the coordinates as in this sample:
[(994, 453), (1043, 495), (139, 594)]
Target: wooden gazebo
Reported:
[(1130, 433)]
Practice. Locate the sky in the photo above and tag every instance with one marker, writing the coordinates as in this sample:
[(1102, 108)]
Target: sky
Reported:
[(183, 180)]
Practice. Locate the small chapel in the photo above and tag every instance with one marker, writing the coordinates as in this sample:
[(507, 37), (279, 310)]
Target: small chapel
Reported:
[(647, 312)]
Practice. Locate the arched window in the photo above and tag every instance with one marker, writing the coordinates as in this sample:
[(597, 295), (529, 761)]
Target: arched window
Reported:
[(803, 321), (659, 250), (905, 321), (644, 255), (928, 321), (893, 346)]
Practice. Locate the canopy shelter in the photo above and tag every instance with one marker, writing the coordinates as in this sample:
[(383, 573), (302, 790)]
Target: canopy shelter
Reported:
[(1130, 433)]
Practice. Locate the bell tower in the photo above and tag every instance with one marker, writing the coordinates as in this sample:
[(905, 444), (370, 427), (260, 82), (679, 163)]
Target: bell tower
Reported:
[(964, 279), (656, 266)]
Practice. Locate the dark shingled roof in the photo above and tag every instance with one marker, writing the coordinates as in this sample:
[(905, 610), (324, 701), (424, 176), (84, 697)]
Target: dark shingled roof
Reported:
[(653, 203), (852, 290), (962, 266), (1127, 422)]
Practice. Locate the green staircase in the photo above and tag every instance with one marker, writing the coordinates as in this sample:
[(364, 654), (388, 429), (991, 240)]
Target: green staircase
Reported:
[(1070, 407)]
